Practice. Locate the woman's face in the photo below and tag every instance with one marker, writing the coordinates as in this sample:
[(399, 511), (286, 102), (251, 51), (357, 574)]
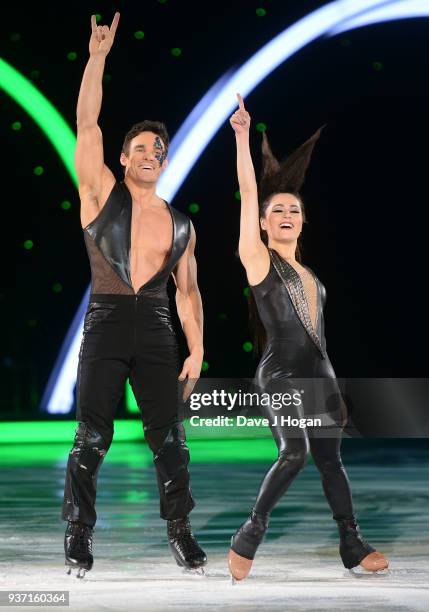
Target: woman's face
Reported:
[(283, 218)]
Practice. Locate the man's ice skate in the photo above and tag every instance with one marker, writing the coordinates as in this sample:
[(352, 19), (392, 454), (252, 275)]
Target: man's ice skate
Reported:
[(184, 546), (244, 544), (78, 548)]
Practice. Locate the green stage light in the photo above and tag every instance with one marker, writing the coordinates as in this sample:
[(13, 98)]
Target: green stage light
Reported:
[(261, 12), (135, 497), (246, 291), (19, 432), (205, 366), (16, 125), (97, 17), (139, 34), (134, 452), (65, 205), (28, 244), (72, 56), (377, 66), (15, 37), (193, 208), (42, 112), (261, 127), (38, 170), (237, 195), (130, 401), (176, 51), (43, 442), (247, 347), (57, 287)]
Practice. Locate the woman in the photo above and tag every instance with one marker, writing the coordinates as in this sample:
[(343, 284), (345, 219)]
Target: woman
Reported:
[(288, 301)]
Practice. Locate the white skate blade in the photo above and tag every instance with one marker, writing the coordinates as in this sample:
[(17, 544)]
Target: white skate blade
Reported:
[(195, 571), (80, 571), (361, 572)]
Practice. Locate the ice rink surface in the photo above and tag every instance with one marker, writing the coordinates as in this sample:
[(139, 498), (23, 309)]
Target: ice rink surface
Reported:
[(296, 568), (297, 581)]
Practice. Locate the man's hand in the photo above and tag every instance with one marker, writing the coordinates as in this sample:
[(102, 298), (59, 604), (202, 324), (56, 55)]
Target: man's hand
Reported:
[(240, 120), (102, 37), (191, 370)]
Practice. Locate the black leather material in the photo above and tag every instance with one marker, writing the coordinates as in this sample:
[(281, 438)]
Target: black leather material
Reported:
[(111, 232), (353, 546), (250, 534), (292, 281), (290, 350), (78, 542), (97, 312), (171, 463), (184, 545), (84, 462), (293, 362), (293, 359), (278, 313)]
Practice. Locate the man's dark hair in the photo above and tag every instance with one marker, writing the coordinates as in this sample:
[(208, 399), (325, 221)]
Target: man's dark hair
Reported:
[(157, 127)]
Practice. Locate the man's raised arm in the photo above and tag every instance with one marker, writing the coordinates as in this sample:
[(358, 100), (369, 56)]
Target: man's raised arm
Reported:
[(95, 178)]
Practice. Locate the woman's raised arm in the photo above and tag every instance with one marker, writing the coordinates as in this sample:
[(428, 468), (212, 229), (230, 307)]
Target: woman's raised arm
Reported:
[(253, 253)]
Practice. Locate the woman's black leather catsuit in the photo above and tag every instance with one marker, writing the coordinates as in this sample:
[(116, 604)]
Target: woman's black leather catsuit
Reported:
[(295, 366), (295, 361)]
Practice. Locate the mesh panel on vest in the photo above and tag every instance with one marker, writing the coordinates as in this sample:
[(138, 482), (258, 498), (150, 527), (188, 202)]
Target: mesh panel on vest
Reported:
[(104, 279)]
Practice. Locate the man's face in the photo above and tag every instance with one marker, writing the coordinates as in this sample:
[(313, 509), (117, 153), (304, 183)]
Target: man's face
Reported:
[(146, 158)]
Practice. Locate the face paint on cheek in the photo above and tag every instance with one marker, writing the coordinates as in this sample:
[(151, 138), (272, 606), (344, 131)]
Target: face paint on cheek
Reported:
[(160, 154)]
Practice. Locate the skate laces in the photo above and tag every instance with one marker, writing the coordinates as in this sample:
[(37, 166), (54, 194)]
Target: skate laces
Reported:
[(181, 533), (82, 537)]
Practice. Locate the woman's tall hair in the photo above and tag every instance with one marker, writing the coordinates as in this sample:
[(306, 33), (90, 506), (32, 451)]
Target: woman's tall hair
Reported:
[(279, 177)]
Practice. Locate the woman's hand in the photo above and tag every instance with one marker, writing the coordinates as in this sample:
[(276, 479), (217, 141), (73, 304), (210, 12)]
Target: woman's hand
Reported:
[(240, 120), (102, 37)]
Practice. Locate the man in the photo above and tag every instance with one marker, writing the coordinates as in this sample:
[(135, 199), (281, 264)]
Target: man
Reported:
[(135, 240)]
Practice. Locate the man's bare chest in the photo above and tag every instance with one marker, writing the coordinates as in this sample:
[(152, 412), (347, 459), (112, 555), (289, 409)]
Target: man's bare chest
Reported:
[(151, 229)]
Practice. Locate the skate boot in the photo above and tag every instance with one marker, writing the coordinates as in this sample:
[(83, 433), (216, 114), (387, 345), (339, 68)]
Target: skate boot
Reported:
[(78, 547), (355, 550), (244, 544), (184, 546)]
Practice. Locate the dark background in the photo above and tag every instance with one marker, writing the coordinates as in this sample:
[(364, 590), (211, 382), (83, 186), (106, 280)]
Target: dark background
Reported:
[(365, 193)]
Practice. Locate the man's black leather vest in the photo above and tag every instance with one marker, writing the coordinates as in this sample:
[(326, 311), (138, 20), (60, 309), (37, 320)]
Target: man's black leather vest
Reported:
[(108, 241)]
